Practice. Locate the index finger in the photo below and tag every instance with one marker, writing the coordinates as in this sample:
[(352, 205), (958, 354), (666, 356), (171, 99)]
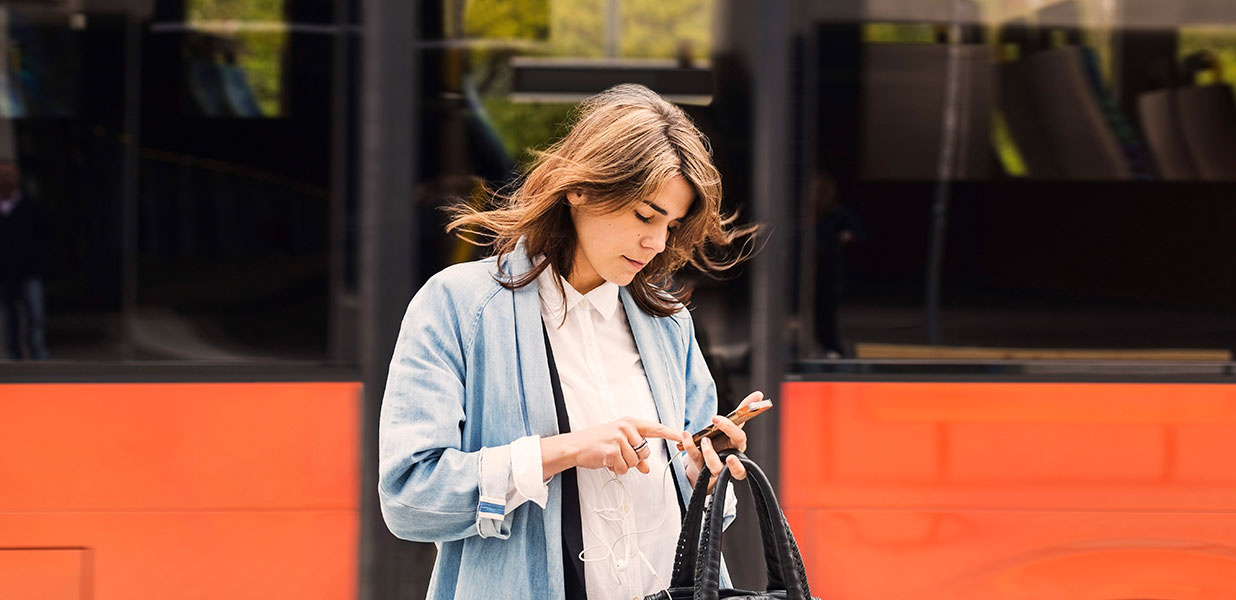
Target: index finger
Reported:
[(655, 430), (727, 426), (755, 396)]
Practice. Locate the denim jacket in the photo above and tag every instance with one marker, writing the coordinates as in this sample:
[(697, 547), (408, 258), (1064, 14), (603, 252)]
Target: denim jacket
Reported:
[(469, 377)]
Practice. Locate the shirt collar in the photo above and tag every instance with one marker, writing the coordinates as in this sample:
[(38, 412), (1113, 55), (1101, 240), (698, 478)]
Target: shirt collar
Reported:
[(604, 298)]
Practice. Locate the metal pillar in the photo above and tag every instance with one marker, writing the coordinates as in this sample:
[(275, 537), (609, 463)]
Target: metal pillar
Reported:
[(772, 177), (770, 301), (389, 568)]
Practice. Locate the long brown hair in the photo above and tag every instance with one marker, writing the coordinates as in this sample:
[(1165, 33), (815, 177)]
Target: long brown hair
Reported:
[(626, 142)]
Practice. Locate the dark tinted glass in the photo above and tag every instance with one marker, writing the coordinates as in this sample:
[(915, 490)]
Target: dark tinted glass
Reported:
[(1049, 184), (190, 163)]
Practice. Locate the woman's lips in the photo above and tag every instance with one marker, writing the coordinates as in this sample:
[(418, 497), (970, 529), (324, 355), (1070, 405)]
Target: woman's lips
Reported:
[(635, 263)]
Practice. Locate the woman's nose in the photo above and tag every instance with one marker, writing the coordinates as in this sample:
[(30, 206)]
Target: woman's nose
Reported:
[(656, 241)]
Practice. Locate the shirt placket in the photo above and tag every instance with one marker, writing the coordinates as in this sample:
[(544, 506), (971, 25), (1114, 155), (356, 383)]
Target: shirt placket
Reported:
[(594, 359)]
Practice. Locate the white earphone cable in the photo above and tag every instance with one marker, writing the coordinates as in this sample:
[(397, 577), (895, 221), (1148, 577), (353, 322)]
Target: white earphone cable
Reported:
[(622, 516)]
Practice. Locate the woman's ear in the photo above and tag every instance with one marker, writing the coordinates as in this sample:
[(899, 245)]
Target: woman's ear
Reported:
[(575, 198)]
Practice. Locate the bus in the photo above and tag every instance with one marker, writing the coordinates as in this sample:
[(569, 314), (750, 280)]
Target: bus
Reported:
[(992, 299)]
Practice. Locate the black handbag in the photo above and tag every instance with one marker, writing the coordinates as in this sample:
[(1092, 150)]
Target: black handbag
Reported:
[(697, 567)]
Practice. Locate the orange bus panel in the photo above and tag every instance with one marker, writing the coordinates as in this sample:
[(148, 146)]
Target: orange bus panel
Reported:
[(1012, 490), (199, 490)]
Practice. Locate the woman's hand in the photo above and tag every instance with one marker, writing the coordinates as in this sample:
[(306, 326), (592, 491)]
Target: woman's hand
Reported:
[(706, 452), (607, 446)]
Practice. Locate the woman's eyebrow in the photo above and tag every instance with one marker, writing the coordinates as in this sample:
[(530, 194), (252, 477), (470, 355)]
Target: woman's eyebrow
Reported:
[(652, 205), (656, 208)]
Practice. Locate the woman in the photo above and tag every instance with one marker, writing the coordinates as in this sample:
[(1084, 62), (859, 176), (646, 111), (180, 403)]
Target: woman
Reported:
[(536, 398)]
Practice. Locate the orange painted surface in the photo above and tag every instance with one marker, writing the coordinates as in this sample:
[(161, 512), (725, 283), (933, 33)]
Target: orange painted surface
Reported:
[(219, 490), (44, 573), (1012, 490)]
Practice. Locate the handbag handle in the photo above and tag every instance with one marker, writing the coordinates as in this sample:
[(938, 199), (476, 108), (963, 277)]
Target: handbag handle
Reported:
[(785, 550), (685, 558), (781, 557)]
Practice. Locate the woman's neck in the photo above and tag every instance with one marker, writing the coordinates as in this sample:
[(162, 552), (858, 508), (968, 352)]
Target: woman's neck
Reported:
[(583, 277)]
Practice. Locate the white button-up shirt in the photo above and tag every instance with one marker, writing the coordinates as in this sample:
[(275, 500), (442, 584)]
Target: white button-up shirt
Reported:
[(630, 522)]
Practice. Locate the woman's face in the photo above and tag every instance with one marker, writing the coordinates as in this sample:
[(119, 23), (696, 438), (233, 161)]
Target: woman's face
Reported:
[(614, 247)]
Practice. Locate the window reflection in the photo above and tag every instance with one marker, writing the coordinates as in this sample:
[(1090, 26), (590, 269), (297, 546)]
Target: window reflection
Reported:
[(39, 54), (1073, 160), (234, 56), (1068, 165)]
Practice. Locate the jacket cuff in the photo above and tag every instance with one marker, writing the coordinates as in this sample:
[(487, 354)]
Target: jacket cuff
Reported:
[(510, 476), (495, 469)]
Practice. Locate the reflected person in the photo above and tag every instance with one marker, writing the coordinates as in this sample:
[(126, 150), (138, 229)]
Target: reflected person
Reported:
[(836, 228), (24, 234)]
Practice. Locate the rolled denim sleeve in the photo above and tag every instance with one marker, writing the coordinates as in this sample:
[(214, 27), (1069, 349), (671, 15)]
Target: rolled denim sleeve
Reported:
[(523, 484), (430, 489), (492, 505)]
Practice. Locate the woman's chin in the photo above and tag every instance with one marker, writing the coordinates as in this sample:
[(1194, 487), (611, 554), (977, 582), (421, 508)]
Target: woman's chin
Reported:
[(621, 279)]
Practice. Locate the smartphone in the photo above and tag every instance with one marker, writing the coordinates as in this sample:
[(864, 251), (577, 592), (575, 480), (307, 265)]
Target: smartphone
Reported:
[(739, 416)]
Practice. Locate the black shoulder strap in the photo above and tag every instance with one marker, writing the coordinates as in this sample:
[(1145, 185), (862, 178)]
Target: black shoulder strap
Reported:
[(572, 529)]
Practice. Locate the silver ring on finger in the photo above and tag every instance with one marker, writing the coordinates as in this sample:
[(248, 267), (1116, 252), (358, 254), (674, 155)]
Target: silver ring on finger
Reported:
[(643, 444)]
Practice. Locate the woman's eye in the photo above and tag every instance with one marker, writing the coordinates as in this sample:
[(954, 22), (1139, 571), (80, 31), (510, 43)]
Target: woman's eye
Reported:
[(642, 218)]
